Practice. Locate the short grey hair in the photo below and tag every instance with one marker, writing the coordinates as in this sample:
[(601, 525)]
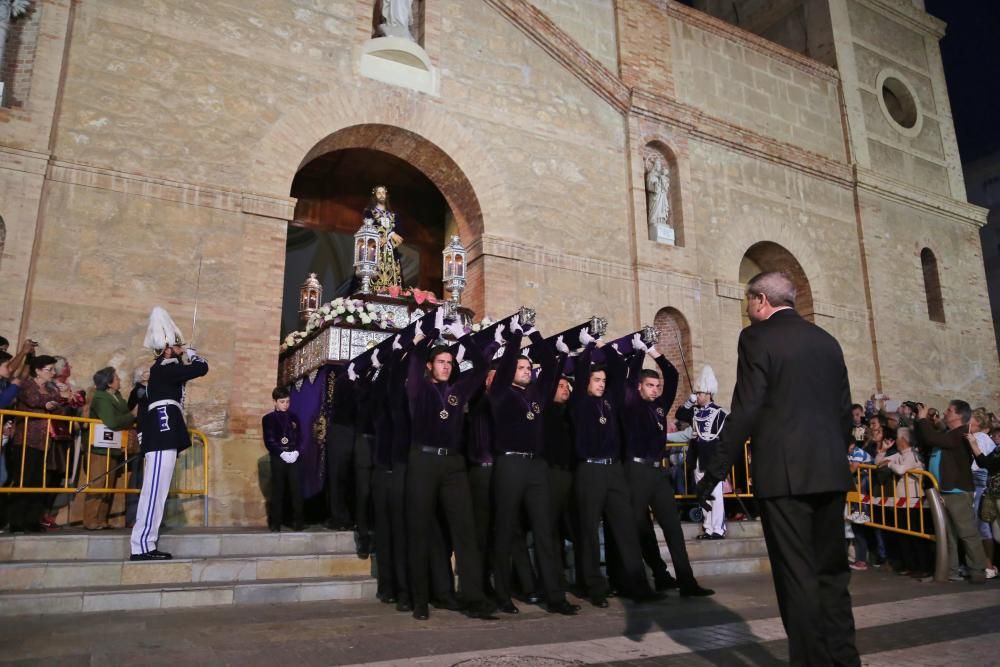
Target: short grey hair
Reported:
[(777, 286), (104, 377), (903, 433), (138, 373)]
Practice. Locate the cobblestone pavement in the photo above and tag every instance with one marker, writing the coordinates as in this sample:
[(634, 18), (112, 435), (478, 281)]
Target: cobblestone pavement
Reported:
[(900, 622)]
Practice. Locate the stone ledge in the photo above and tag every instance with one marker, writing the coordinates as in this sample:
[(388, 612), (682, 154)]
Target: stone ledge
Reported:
[(17, 159), (904, 193)]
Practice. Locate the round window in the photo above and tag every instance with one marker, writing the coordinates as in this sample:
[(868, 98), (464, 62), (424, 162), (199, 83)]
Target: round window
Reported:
[(899, 103)]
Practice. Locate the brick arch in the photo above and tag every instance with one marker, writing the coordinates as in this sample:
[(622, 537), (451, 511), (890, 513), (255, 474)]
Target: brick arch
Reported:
[(674, 343), (770, 256), (410, 127)]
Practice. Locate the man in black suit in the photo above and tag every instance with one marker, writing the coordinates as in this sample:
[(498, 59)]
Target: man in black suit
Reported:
[(793, 400)]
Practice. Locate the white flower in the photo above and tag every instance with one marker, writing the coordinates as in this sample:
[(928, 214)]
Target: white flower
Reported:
[(350, 319), (329, 317), (350, 307), (341, 310), (290, 339), (365, 319), (476, 328), (324, 309), (370, 307)]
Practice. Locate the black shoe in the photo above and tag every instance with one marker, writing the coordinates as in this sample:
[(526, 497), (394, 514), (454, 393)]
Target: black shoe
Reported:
[(449, 603), (508, 607), (386, 598), (483, 610), (695, 591), (421, 613), (665, 583), (364, 547), (716, 536), (155, 554), (704, 536), (403, 604), (599, 602), (562, 607), (533, 598)]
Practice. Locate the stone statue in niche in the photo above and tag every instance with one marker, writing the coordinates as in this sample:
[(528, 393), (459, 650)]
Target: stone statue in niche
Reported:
[(658, 201), (396, 19)]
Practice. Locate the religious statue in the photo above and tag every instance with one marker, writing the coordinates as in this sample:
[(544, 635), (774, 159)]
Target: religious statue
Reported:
[(379, 214), (10, 10), (396, 18), (658, 200)]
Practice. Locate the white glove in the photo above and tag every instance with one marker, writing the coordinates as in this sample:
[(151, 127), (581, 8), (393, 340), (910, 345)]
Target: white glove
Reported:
[(561, 346), (375, 362), (460, 357), (692, 399), (294, 456), (396, 345), (351, 375), (455, 329), (286, 457), (191, 353), (515, 325), (530, 330), (498, 334), (439, 319), (586, 338), (637, 343), (614, 346)]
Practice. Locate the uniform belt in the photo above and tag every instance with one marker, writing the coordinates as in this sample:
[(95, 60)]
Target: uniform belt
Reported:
[(488, 464), (603, 462), (656, 463), (438, 451), (523, 455), (164, 402)]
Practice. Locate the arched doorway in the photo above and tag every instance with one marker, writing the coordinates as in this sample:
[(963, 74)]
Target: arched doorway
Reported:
[(430, 194), (769, 256)]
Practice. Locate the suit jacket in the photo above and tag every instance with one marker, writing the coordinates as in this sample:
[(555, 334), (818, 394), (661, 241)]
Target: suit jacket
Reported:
[(793, 400), (955, 471)]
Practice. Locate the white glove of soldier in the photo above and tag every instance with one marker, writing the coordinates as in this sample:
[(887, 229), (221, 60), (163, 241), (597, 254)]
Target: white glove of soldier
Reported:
[(396, 345), (455, 329), (294, 456), (439, 319), (561, 346), (460, 357), (515, 325), (191, 353), (692, 399), (637, 343), (586, 338), (498, 334), (286, 457), (351, 375), (375, 362)]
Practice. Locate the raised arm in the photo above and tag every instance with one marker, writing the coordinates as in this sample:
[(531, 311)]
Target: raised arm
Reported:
[(581, 376), (670, 377), (633, 367), (472, 379), (615, 388)]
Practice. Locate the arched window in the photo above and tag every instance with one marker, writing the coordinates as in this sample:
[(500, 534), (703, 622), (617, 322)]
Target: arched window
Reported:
[(932, 285), (674, 343), (769, 256)]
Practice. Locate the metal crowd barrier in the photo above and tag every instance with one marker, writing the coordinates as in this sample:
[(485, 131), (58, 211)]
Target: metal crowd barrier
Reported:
[(73, 458), (904, 514), (739, 475)]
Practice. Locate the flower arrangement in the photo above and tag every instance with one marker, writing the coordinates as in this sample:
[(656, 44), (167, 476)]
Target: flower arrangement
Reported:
[(342, 310)]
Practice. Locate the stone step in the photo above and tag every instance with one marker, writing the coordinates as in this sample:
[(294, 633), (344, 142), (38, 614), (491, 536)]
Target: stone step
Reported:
[(40, 575), (712, 567), (158, 596), (186, 543), (733, 529)]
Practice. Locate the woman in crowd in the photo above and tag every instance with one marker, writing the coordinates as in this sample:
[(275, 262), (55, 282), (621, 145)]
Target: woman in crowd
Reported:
[(108, 406), (29, 451), (979, 429)]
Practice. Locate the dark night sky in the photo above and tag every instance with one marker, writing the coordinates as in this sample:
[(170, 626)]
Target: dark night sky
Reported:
[(971, 53)]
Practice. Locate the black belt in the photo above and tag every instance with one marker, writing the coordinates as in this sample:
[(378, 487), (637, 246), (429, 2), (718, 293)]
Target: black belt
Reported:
[(603, 462), (439, 451), (656, 463), (523, 455)]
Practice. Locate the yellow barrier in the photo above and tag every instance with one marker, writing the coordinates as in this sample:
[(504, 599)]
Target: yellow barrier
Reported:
[(739, 474), (68, 451), (886, 509)]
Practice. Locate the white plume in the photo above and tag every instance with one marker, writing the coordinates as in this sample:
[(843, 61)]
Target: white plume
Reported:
[(706, 381), (161, 331)]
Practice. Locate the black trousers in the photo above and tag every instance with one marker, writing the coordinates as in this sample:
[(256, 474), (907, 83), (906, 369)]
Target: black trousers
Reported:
[(651, 490), (441, 576), (339, 456), (564, 521), (522, 484), (440, 481), (481, 487), (25, 509), (363, 483), (382, 478), (284, 476), (601, 491), (805, 543)]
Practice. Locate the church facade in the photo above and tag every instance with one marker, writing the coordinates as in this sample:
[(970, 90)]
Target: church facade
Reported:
[(148, 152)]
